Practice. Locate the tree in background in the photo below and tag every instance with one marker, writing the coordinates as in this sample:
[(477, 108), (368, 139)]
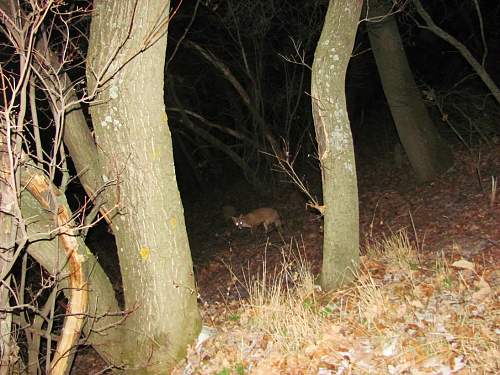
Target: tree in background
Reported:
[(429, 155), (335, 147), (244, 94)]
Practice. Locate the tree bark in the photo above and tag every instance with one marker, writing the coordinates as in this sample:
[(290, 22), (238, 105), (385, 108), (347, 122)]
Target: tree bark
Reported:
[(135, 150), (8, 235), (102, 330), (335, 147), (429, 155), (44, 192)]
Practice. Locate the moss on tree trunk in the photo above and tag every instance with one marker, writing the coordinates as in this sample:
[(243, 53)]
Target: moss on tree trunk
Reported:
[(335, 147), (127, 50)]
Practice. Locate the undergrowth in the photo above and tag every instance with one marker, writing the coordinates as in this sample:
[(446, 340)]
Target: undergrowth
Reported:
[(406, 313)]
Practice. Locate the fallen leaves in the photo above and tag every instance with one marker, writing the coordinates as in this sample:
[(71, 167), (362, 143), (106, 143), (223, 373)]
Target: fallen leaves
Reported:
[(426, 303), (464, 264), (437, 318), (484, 291)]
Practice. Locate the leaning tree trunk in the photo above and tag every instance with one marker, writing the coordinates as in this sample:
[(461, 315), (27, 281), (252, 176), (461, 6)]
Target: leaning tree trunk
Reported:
[(103, 326), (127, 55), (335, 147), (428, 154)]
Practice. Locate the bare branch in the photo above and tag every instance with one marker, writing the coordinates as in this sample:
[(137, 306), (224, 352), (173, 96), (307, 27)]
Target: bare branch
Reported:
[(466, 54)]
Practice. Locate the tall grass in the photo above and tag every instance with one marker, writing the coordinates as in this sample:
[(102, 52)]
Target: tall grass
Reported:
[(283, 301)]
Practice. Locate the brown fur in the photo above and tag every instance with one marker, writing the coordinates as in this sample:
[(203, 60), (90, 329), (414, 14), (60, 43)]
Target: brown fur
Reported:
[(265, 216)]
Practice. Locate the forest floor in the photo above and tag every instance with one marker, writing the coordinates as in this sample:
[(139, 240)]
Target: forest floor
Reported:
[(425, 300)]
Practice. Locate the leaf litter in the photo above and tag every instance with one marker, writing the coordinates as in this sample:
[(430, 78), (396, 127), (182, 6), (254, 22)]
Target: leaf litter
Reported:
[(425, 300), (402, 316)]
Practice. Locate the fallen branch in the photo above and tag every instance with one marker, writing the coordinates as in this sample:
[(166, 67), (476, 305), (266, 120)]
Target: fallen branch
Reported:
[(46, 194)]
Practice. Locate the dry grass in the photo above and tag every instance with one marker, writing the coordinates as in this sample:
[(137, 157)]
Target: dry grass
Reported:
[(283, 303), (401, 316)]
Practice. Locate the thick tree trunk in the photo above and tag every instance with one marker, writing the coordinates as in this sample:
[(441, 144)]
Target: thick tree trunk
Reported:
[(428, 154), (135, 151), (336, 152)]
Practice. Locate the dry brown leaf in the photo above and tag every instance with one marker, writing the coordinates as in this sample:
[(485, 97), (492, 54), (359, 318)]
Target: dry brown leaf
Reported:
[(464, 264), (483, 292), (416, 303), (424, 290)]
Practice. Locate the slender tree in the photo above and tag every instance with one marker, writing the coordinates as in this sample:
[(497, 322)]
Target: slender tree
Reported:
[(335, 147), (8, 234)]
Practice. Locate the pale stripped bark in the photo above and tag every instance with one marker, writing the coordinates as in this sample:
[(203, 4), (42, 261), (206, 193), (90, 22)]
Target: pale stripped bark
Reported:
[(43, 215), (42, 190), (336, 153), (135, 151), (102, 330)]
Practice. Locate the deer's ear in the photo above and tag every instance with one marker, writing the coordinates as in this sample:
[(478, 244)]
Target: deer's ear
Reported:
[(235, 220)]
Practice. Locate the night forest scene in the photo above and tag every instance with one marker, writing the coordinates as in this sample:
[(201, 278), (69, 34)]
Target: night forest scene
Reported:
[(249, 187)]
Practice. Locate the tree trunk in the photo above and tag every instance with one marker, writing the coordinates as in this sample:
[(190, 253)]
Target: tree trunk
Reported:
[(102, 330), (335, 147), (135, 151), (428, 154), (8, 236)]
